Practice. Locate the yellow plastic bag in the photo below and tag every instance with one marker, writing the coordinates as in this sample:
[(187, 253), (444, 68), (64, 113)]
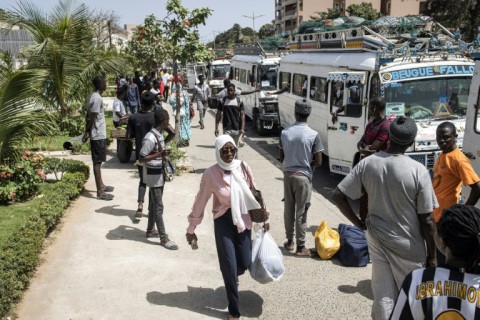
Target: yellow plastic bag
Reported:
[(327, 241)]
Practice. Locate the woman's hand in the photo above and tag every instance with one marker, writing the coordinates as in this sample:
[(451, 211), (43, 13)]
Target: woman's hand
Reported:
[(191, 237), (266, 226)]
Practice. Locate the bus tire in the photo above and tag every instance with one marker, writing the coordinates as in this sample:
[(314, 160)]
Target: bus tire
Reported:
[(258, 123), (124, 150)]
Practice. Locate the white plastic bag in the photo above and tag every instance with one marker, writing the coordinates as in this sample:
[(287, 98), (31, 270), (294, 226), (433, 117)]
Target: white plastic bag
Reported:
[(267, 259)]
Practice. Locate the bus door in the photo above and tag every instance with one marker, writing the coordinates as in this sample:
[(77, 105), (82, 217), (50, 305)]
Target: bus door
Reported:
[(191, 77), (347, 99)]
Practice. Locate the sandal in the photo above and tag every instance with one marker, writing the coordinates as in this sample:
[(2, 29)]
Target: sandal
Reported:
[(105, 196), (151, 234), (168, 244), (108, 189), (304, 252), (289, 245), (232, 317)]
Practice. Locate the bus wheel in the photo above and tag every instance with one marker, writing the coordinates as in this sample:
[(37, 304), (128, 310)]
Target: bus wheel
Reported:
[(258, 123)]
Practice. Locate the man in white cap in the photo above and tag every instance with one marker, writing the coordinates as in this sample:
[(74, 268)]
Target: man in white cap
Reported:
[(400, 224), (300, 151)]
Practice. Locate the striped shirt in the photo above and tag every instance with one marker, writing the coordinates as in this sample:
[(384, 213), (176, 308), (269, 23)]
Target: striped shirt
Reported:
[(377, 130), (438, 293)]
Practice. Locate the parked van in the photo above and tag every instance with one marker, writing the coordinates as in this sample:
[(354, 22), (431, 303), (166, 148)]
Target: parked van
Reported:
[(429, 84), (471, 140), (251, 69)]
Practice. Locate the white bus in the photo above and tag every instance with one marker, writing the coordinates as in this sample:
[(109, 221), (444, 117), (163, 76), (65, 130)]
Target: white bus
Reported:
[(429, 88), (252, 69), (217, 72)]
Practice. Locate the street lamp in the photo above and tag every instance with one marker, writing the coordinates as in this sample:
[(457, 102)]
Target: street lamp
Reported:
[(253, 17)]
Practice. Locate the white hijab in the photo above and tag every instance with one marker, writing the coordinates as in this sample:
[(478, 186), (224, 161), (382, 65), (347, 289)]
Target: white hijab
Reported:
[(242, 198)]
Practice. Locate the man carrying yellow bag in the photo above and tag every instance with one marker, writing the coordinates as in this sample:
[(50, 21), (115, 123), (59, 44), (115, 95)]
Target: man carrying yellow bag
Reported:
[(327, 241)]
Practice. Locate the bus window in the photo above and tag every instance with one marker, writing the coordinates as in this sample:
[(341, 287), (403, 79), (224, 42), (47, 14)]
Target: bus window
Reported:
[(253, 76), (336, 97), (300, 85), (285, 78), (237, 74), (318, 89), (477, 113), (243, 76), (354, 99)]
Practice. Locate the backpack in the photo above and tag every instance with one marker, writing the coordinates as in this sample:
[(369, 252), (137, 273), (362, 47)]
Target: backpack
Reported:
[(353, 246)]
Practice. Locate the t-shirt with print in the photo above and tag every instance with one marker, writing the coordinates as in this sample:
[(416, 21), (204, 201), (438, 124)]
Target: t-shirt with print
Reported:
[(449, 172), (399, 188), (438, 293), (152, 175), (118, 106), (95, 105), (231, 113)]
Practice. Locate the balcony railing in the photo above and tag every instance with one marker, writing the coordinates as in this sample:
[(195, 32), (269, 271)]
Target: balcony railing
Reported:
[(290, 13)]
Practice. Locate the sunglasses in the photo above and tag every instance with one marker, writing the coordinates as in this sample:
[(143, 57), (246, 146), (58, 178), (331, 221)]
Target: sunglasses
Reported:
[(226, 151)]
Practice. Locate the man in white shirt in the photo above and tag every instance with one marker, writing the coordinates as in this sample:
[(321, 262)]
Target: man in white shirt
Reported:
[(201, 93), (166, 80)]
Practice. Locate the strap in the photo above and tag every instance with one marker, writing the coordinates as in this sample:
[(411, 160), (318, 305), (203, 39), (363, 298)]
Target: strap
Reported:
[(244, 169)]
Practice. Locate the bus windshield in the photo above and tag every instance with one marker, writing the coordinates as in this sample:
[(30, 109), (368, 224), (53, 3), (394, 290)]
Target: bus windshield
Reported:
[(219, 71), (428, 99), (268, 77)]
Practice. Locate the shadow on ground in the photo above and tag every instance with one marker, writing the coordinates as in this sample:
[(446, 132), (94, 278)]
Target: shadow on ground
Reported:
[(364, 287), (208, 302)]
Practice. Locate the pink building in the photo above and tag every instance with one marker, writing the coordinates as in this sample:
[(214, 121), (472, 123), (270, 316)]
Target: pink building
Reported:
[(289, 14)]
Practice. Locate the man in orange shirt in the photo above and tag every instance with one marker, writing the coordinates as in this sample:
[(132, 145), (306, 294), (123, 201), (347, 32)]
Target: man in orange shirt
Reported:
[(451, 169)]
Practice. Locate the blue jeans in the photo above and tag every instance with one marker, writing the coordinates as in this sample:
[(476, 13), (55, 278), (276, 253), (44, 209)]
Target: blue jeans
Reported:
[(234, 255)]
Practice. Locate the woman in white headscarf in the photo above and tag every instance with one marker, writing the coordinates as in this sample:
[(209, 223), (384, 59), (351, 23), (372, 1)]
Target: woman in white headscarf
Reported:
[(227, 181)]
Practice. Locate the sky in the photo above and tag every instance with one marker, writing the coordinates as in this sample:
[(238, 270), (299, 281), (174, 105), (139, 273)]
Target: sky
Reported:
[(226, 12)]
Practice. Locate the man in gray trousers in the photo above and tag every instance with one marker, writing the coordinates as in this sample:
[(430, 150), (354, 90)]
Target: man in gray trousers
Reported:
[(300, 151)]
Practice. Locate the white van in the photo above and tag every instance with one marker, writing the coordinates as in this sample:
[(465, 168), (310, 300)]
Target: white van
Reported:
[(471, 138), (429, 87), (252, 69)]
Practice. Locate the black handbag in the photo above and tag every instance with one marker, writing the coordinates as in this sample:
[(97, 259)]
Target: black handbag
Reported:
[(256, 215)]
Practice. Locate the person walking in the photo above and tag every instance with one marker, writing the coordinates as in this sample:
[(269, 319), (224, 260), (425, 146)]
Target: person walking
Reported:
[(227, 182), (400, 223), (133, 96), (96, 131), (152, 155), (448, 291), (166, 82), (185, 133), (300, 151), (232, 114), (201, 94), (138, 126)]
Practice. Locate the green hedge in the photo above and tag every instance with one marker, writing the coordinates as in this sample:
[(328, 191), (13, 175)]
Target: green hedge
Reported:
[(21, 253)]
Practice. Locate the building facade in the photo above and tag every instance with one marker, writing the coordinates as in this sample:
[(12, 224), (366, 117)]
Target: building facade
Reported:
[(289, 14)]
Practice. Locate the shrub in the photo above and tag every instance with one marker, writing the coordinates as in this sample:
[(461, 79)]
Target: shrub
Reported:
[(19, 180), (20, 254)]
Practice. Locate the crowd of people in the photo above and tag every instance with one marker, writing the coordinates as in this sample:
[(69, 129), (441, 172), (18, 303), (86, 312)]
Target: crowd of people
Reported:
[(424, 246)]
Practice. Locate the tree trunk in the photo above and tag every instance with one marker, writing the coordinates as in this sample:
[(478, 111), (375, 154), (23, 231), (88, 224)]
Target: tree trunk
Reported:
[(177, 97)]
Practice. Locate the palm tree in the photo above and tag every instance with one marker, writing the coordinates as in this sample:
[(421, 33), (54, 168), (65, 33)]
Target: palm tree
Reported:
[(64, 48), (21, 114)]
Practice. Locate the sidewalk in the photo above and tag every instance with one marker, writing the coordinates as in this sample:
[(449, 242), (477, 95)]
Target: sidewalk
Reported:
[(99, 265)]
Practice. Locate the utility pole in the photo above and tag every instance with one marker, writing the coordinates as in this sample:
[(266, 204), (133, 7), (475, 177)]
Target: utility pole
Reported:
[(253, 17)]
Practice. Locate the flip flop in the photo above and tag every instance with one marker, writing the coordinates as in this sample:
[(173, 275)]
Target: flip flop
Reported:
[(105, 196), (304, 252), (108, 188), (289, 247), (168, 244)]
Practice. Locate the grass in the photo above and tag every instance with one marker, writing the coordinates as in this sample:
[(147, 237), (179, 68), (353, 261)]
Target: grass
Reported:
[(13, 216), (47, 143)]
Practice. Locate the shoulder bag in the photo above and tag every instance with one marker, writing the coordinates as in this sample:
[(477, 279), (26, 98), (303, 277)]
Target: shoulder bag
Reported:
[(256, 215), (168, 169)]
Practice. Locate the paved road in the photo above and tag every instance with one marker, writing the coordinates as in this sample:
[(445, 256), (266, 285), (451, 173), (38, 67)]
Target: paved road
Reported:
[(99, 265)]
